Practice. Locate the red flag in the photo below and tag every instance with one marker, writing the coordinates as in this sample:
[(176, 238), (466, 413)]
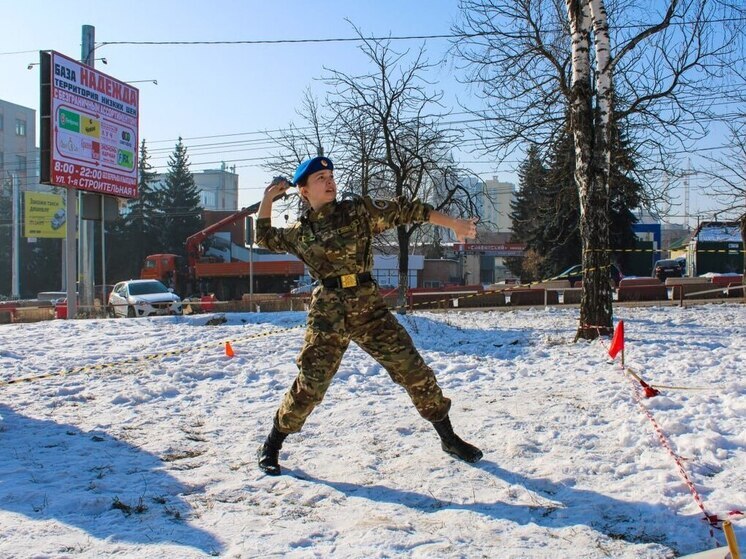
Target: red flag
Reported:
[(617, 342)]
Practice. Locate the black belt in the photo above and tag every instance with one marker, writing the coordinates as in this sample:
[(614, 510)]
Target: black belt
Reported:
[(347, 280)]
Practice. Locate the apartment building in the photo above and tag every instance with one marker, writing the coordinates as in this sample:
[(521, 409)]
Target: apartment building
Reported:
[(19, 157)]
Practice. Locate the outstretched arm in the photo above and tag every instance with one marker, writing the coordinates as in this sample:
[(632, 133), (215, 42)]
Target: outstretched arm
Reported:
[(463, 228)]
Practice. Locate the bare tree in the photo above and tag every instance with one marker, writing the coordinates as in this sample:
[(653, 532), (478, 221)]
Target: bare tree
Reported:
[(390, 140), (653, 71), (298, 143)]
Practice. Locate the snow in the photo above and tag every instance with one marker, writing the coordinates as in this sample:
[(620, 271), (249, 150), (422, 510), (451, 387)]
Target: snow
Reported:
[(149, 451)]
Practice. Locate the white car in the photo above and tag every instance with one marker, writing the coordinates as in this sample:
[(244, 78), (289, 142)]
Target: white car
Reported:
[(135, 298)]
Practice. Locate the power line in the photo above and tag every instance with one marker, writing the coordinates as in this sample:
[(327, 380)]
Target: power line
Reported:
[(383, 38), (703, 173), (361, 39), (228, 135), (299, 41), (468, 142), (268, 142), (18, 52)]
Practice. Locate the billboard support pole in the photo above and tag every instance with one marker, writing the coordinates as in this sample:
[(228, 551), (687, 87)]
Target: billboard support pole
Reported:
[(71, 252), (103, 255), (87, 230)]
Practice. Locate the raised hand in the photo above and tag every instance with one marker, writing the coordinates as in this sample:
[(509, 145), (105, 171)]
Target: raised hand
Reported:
[(464, 229)]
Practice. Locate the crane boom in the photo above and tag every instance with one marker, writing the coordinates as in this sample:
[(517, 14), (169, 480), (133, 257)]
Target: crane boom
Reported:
[(193, 241)]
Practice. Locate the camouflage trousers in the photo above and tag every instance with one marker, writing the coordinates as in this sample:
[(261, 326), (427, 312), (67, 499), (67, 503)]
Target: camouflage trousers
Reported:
[(359, 314)]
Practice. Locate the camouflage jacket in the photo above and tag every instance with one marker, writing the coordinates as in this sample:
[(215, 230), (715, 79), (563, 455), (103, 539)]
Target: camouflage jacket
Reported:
[(337, 239)]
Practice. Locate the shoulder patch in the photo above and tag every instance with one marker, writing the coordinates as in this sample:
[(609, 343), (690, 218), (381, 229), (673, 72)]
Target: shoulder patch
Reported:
[(381, 204)]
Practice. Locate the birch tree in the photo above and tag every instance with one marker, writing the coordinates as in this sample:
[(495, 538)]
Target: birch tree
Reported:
[(590, 130), (543, 66)]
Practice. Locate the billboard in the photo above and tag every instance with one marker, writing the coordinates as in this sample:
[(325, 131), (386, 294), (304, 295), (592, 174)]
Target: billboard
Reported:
[(44, 215), (89, 128)]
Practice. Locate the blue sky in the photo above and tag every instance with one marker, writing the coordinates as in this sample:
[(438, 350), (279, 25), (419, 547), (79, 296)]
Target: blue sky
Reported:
[(214, 90), (227, 89)]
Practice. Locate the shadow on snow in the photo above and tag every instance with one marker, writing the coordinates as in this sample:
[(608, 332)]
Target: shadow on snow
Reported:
[(564, 506), (50, 470)]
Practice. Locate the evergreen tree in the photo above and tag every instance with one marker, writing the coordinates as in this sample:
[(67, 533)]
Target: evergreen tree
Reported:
[(546, 213), (138, 233), (524, 209), (625, 194), (41, 266), (145, 211), (559, 238), (145, 214), (182, 211)]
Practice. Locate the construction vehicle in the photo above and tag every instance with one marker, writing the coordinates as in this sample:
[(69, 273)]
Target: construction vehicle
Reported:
[(217, 264)]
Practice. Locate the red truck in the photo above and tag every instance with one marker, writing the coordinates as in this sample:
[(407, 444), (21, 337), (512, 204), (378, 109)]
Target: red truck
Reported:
[(222, 267)]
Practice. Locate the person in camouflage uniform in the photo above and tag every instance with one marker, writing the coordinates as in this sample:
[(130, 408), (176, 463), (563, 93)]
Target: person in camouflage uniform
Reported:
[(333, 239)]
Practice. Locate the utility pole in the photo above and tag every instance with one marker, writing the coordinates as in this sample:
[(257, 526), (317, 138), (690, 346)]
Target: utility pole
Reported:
[(15, 289), (71, 252), (686, 193), (87, 230), (250, 235)]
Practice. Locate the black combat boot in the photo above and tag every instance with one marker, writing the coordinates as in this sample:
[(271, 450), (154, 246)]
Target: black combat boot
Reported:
[(453, 445), (268, 454)]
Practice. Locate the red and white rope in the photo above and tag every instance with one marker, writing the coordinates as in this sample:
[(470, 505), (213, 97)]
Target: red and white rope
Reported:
[(713, 520)]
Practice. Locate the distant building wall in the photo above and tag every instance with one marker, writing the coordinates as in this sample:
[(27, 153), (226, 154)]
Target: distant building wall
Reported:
[(441, 272), (386, 269), (19, 156), (716, 247), (218, 188), (496, 205)]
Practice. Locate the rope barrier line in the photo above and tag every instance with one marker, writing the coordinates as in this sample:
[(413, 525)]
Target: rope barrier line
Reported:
[(708, 250), (496, 291), (713, 520), (666, 387), (637, 377), (136, 360), (507, 289)]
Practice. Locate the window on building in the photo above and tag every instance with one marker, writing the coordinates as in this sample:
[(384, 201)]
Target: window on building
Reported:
[(2, 123), (20, 127), (2, 160), (20, 163), (208, 200)]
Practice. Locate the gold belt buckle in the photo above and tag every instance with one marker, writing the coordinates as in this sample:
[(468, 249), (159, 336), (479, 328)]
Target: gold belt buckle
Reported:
[(348, 280)]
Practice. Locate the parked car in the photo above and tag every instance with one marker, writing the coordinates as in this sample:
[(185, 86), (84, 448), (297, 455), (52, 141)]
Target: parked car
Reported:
[(135, 298), (663, 269), (574, 274)]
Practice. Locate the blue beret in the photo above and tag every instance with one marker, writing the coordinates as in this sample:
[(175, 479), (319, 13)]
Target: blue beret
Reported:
[(310, 166)]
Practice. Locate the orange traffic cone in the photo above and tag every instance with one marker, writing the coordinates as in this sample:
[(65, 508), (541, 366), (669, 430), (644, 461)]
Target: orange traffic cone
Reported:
[(229, 350)]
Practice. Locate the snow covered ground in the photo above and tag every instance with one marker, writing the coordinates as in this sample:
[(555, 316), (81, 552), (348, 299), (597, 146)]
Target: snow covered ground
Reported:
[(154, 457)]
